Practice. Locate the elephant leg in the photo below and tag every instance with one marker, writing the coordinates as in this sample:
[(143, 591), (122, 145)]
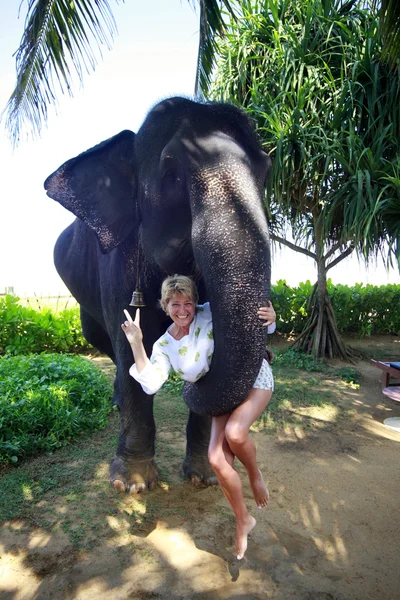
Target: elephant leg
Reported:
[(196, 466), (133, 468), (96, 335)]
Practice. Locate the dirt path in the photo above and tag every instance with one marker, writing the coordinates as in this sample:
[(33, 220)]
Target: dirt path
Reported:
[(331, 531)]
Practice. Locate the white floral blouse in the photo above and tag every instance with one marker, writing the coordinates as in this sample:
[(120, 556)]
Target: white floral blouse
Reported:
[(190, 357)]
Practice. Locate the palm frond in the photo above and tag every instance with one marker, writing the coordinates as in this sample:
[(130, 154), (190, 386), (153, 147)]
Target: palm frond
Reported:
[(389, 15), (58, 35), (211, 25)]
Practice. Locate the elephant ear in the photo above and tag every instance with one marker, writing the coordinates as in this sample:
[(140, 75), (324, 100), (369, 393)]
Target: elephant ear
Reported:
[(98, 187)]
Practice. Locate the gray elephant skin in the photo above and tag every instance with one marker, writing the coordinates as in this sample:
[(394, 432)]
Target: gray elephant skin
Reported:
[(184, 195)]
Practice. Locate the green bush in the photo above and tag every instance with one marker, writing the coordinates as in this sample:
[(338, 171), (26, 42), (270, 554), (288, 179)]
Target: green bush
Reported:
[(174, 383), (349, 375), (46, 400), (290, 304), (296, 359), (362, 309), (24, 330), (368, 309)]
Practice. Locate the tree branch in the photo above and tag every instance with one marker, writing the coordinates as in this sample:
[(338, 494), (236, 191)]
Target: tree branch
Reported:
[(332, 250), (337, 260), (279, 240)]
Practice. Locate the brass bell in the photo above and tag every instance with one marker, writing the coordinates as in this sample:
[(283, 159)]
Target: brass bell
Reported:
[(137, 299)]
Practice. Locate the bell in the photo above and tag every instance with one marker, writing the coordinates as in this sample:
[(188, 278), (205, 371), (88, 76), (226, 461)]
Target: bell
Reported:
[(137, 299)]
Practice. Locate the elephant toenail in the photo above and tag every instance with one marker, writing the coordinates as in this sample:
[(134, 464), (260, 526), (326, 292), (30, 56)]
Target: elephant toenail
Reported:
[(118, 485)]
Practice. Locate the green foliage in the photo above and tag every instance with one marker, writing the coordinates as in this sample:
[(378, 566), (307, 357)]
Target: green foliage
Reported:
[(58, 39), (59, 42), (389, 15), (361, 309), (327, 109), (174, 383), (290, 305), (47, 400), (295, 359), (24, 330), (368, 309), (349, 375)]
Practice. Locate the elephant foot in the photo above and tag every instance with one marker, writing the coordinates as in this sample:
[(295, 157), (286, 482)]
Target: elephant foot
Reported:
[(133, 476), (198, 470)]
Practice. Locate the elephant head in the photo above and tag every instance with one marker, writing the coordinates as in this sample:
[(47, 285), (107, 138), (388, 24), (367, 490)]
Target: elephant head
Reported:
[(190, 184)]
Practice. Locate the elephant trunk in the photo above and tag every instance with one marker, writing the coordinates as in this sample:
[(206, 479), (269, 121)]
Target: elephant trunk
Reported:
[(231, 248)]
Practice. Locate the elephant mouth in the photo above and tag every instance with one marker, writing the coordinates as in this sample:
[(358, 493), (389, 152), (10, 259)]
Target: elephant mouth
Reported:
[(173, 256)]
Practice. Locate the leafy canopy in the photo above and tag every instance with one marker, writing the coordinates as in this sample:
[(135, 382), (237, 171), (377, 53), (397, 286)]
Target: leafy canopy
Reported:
[(328, 110)]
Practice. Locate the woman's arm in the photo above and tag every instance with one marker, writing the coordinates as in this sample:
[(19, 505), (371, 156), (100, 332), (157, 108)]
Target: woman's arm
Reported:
[(151, 374), (134, 336)]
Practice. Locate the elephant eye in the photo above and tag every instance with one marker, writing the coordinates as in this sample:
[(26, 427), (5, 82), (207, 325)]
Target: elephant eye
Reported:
[(170, 176)]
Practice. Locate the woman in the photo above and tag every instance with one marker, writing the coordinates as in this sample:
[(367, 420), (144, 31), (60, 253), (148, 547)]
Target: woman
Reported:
[(187, 347)]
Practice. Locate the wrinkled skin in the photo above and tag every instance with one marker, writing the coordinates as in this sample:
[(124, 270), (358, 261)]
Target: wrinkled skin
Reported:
[(185, 193)]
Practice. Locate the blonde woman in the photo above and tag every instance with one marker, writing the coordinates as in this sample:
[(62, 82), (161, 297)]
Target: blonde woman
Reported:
[(187, 347)]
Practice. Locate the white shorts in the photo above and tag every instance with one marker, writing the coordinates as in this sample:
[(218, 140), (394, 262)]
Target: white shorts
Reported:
[(265, 379)]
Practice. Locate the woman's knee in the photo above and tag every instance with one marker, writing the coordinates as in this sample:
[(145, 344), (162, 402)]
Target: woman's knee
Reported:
[(215, 458), (219, 461), (235, 433)]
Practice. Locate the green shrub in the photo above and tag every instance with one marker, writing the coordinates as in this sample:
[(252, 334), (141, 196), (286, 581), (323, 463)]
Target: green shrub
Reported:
[(174, 383), (290, 305), (24, 330), (349, 375), (366, 310), (362, 309), (296, 359), (46, 400)]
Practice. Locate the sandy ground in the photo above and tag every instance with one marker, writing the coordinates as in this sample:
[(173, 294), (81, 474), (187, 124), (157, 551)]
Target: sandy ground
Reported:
[(331, 530)]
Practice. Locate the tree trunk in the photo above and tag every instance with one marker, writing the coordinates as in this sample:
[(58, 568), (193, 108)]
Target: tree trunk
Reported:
[(320, 336)]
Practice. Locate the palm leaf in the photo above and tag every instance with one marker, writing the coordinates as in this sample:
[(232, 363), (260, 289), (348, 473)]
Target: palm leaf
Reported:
[(58, 36), (211, 25), (62, 39), (389, 13)]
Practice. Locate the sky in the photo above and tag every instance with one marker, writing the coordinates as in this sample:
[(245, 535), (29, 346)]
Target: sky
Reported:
[(153, 56)]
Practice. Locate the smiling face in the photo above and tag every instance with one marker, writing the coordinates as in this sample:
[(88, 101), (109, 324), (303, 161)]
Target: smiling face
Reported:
[(181, 309)]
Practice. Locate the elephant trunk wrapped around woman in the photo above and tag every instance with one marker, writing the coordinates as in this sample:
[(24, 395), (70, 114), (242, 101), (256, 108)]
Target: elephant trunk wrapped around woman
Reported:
[(184, 195)]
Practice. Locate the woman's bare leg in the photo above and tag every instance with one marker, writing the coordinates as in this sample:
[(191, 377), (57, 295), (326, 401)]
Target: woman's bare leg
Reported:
[(242, 445), (221, 459)]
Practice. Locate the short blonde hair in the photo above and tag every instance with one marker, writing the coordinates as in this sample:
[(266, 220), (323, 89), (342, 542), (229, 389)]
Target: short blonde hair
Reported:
[(178, 284)]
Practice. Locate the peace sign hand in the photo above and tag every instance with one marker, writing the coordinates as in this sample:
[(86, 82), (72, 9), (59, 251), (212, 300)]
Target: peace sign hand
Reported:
[(132, 329)]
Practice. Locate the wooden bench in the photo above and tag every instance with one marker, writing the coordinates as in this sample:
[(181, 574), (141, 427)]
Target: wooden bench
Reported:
[(390, 378)]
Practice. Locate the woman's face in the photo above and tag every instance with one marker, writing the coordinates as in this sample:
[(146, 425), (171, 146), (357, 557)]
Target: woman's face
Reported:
[(181, 309)]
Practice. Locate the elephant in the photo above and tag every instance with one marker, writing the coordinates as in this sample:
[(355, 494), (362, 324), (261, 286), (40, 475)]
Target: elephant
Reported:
[(185, 194)]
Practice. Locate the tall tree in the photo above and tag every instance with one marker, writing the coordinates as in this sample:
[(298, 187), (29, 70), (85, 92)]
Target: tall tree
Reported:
[(62, 40), (328, 111)]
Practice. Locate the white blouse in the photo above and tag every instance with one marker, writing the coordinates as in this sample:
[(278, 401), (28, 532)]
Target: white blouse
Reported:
[(190, 357)]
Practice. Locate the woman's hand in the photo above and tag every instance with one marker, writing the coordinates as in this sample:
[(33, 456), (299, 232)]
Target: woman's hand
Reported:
[(132, 329), (267, 314)]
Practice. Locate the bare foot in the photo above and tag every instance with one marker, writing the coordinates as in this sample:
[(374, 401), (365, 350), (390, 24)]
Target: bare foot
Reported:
[(260, 491), (242, 531)]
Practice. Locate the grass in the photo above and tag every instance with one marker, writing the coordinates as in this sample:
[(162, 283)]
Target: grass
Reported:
[(68, 491), (72, 476)]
